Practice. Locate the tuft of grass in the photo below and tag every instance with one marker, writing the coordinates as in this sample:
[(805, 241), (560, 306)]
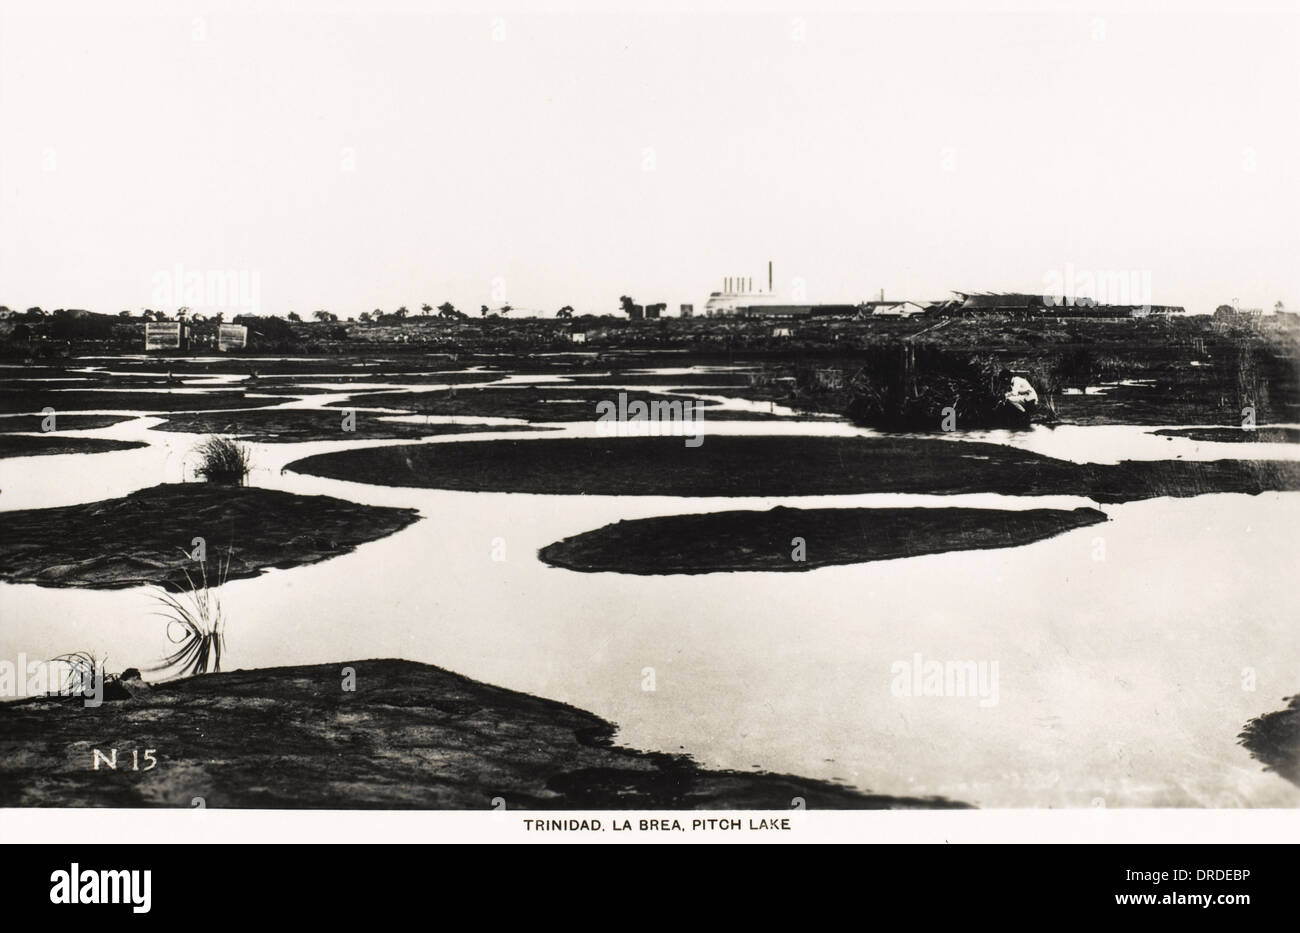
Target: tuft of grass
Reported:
[(195, 623), (81, 667), (223, 460)]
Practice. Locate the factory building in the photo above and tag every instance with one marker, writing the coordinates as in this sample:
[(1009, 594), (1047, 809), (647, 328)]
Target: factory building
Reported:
[(737, 293)]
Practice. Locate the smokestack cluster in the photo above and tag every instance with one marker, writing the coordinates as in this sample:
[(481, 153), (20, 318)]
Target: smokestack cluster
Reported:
[(738, 284)]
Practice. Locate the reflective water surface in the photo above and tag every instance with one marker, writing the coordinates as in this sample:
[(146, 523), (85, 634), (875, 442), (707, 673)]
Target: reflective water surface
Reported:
[(1129, 655)]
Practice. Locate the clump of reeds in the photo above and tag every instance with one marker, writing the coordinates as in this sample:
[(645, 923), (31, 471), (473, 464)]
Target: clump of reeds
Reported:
[(223, 460), (195, 623), (81, 668)]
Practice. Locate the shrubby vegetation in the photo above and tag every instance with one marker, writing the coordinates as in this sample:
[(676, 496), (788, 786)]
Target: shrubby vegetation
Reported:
[(223, 460), (914, 388)]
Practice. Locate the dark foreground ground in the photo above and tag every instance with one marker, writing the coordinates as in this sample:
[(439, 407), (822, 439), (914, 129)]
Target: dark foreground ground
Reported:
[(409, 736)]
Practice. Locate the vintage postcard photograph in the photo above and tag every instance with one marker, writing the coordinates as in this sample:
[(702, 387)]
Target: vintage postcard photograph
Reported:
[(697, 422)]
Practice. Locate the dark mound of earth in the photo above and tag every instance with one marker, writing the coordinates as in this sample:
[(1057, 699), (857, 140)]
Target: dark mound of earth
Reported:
[(23, 445), (35, 400), (147, 537), (551, 403), (61, 422), (291, 425), (785, 466), (744, 540), (1274, 739), (1236, 435)]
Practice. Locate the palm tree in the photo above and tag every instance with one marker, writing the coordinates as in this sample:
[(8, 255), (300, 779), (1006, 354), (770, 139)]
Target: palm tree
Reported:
[(426, 308)]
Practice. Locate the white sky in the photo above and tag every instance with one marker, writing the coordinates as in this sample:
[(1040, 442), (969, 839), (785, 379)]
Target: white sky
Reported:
[(372, 154)]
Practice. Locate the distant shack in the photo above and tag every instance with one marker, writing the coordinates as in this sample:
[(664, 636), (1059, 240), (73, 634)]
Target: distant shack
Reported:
[(188, 335), (166, 335), (232, 336)]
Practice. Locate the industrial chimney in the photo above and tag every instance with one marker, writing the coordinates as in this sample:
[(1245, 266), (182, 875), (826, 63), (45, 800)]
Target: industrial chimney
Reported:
[(769, 276)]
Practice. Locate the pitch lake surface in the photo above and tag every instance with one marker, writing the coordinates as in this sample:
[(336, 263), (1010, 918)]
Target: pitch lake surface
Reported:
[(1128, 655)]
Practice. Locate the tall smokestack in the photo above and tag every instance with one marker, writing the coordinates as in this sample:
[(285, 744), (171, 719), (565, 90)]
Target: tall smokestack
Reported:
[(769, 276), (726, 286), (749, 284)]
